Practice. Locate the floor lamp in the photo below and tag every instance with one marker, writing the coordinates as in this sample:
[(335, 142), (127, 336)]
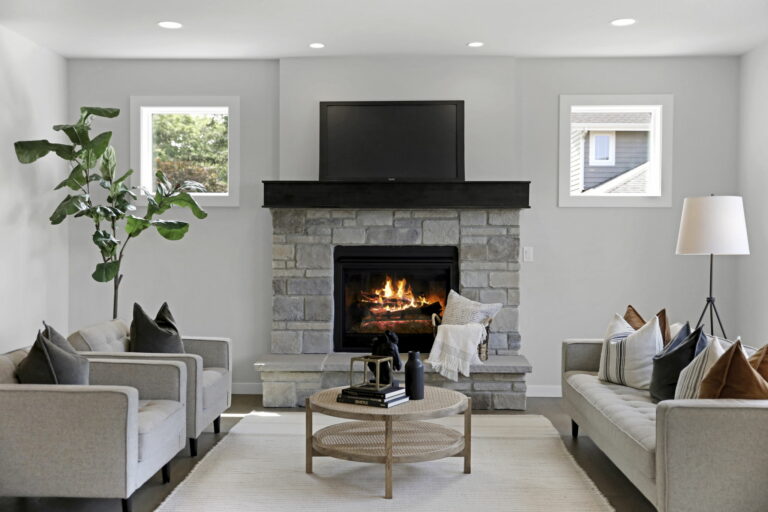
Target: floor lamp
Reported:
[(712, 225)]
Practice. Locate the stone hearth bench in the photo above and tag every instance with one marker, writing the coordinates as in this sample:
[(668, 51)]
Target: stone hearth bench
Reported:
[(288, 379)]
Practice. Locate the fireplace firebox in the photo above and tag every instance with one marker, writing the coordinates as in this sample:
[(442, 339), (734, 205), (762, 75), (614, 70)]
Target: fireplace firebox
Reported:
[(398, 288)]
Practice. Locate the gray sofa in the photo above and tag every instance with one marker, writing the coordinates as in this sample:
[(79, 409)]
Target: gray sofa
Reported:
[(208, 362), (683, 455), (98, 441)]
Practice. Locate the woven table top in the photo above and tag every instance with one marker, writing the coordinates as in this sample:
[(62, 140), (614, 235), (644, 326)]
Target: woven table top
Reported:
[(437, 403)]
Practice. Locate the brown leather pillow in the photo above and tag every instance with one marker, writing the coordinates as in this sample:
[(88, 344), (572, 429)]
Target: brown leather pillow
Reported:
[(636, 321), (759, 361), (733, 377)]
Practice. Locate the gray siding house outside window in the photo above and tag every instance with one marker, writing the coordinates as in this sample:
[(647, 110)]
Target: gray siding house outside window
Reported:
[(631, 151)]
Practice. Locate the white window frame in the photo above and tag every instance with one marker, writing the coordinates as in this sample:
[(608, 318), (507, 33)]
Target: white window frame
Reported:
[(660, 148), (142, 108), (594, 162)]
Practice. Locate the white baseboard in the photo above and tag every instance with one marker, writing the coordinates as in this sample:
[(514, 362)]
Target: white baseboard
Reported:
[(246, 388), (548, 391)]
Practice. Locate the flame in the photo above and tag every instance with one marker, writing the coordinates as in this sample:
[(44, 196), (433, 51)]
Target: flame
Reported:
[(390, 299)]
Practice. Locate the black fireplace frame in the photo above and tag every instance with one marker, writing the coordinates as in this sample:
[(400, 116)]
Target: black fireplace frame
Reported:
[(346, 255)]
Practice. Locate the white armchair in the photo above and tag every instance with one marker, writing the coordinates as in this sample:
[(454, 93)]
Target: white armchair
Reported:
[(209, 370)]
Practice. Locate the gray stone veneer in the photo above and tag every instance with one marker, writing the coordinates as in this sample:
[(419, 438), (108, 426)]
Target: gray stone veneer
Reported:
[(302, 360), (302, 263)]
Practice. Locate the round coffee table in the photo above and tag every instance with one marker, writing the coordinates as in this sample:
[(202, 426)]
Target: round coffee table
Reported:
[(391, 436)]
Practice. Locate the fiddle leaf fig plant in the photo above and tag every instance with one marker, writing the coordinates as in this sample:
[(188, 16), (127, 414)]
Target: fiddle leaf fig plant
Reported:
[(106, 199)]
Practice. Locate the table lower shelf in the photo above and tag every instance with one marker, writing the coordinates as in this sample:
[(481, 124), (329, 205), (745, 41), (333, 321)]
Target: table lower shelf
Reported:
[(364, 441)]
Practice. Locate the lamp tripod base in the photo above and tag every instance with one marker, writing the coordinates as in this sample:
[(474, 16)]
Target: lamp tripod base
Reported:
[(713, 313)]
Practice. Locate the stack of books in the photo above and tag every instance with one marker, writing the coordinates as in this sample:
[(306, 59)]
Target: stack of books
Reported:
[(368, 395)]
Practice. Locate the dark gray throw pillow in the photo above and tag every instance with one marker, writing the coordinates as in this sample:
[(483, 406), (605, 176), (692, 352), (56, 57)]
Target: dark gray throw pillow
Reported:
[(668, 364), (158, 335), (52, 360)]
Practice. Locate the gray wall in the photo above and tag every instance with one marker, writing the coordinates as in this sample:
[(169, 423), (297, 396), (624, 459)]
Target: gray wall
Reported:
[(217, 280), (622, 255), (33, 254), (753, 182), (631, 151)]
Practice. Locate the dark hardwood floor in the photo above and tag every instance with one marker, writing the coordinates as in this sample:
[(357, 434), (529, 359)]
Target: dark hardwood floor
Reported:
[(620, 492)]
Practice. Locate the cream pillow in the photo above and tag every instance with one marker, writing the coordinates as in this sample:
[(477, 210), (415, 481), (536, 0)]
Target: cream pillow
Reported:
[(627, 355), (460, 310), (689, 382)]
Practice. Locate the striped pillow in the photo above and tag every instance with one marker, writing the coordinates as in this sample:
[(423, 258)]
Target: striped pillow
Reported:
[(627, 355), (689, 382)]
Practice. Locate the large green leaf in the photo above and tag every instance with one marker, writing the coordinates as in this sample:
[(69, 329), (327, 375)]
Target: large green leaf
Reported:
[(27, 151), (108, 163), (185, 200), (75, 180), (171, 229), (77, 133), (105, 242), (99, 111), (106, 272), (124, 176), (135, 225), (94, 149), (69, 206)]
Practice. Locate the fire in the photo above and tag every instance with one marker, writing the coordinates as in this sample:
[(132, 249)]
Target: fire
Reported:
[(395, 297)]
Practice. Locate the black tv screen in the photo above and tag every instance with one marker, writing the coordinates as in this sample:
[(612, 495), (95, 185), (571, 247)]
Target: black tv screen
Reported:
[(391, 140)]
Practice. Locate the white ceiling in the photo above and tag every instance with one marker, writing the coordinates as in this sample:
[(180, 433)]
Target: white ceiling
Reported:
[(284, 28)]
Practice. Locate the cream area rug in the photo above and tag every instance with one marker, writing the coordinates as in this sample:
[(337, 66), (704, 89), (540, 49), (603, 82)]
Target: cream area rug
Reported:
[(519, 463)]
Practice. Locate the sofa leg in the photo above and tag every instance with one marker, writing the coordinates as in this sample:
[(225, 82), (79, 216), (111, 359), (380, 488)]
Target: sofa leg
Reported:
[(192, 447), (166, 471), (217, 425), (574, 429), (126, 502)]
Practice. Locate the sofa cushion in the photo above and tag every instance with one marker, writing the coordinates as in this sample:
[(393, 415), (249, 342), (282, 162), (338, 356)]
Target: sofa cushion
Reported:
[(733, 377), (8, 364), (214, 386), (621, 416), (109, 336), (627, 355), (634, 319), (460, 310), (668, 363), (158, 335), (689, 381), (154, 423), (759, 361)]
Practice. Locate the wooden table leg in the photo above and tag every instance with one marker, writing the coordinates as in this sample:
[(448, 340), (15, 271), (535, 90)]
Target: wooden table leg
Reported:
[(309, 448), (388, 464), (468, 437)]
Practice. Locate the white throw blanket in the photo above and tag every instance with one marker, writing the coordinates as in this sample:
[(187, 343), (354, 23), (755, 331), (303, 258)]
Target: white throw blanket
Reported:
[(455, 348)]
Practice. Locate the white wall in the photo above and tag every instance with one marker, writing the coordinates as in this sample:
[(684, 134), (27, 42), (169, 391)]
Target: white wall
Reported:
[(33, 254), (217, 280), (753, 182), (589, 262)]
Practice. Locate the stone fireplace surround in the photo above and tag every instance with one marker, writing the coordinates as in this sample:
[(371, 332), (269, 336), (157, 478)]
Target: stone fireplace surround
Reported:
[(302, 359)]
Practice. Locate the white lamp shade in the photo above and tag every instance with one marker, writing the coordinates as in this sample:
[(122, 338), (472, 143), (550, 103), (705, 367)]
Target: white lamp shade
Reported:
[(713, 225)]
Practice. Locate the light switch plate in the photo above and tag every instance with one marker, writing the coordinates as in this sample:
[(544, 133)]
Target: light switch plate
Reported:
[(527, 253)]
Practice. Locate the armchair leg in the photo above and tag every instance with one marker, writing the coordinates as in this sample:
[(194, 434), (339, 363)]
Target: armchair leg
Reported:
[(217, 425), (192, 447), (126, 502), (166, 470), (574, 429)]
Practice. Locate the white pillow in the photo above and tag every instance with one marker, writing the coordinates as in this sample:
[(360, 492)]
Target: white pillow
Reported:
[(627, 355), (689, 382), (460, 310)]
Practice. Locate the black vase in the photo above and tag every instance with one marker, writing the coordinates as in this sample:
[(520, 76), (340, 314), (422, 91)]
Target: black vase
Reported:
[(414, 376)]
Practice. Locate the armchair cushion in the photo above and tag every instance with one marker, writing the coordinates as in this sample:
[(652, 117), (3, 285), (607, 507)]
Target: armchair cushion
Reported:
[(51, 360), (109, 336), (214, 386), (158, 335), (160, 424)]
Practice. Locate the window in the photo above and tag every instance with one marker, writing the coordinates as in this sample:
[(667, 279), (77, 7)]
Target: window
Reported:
[(602, 148), (188, 139), (615, 150)]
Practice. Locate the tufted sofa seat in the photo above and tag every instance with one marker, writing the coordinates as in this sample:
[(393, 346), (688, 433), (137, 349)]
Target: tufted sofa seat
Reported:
[(683, 455)]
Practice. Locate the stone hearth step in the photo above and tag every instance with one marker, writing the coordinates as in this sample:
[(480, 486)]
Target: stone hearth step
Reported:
[(288, 379)]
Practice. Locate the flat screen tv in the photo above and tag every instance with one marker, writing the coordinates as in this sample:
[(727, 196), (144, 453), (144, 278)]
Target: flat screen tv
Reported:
[(392, 140)]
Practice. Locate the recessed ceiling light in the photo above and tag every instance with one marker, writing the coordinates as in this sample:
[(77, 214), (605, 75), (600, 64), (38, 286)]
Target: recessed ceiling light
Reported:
[(316, 46), (623, 22), (475, 44), (169, 24)]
